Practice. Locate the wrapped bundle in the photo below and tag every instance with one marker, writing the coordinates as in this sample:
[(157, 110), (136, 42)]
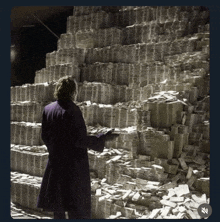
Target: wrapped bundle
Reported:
[(22, 137), (106, 53), (16, 135), (121, 73), (67, 69), (85, 10), (86, 92), (30, 164), (98, 72), (37, 77), (61, 56), (151, 143), (43, 78), (67, 56), (180, 140), (202, 128), (51, 71), (168, 168), (36, 135), (12, 93), (172, 13), (135, 16), (45, 75), (195, 138), (71, 55), (203, 185), (79, 54), (54, 72), (24, 111), (127, 8), (29, 135), (122, 117), (132, 117), (111, 36), (148, 91), (113, 54), (61, 42), (18, 193), (27, 92), (153, 52), (32, 195), (145, 14), (193, 95), (47, 59), (14, 114), (176, 87), (191, 119), (40, 92), (19, 159), (12, 133), (143, 120), (99, 38), (164, 114), (152, 174), (51, 58), (116, 53), (34, 112), (44, 92), (112, 173), (37, 160), (17, 93), (126, 141), (66, 41), (86, 39), (134, 94), (23, 93), (25, 133), (91, 114), (101, 206), (19, 112), (204, 146), (121, 94), (58, 71), (106, 93), (13, 159), (101, 166), (106, 116), (141, 33), (96, 92), (162, 14), (25, 192), (92, 21)]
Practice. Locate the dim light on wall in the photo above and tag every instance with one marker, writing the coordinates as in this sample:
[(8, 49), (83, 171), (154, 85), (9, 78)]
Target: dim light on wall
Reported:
[(12, 53)]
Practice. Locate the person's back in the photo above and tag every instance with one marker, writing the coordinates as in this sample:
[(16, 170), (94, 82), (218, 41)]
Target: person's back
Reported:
[(66, 182), (62, 121)]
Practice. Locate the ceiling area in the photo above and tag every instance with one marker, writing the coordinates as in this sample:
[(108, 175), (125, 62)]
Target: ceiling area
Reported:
[(22, 16), (35, 31)]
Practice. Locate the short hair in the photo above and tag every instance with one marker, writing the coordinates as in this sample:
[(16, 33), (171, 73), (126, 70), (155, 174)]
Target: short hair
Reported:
[(65, 88)]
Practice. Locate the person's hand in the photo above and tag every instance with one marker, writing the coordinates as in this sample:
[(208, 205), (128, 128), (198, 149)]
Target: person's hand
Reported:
[(110, 135)]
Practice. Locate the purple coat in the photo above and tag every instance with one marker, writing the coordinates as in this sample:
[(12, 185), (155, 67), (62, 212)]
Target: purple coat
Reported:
[(66, 181)]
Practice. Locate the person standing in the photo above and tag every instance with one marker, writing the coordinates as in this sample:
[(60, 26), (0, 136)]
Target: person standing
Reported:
[(66, 182)]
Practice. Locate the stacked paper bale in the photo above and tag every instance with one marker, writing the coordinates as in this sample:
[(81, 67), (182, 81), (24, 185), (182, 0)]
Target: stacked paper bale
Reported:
[(139, 67)]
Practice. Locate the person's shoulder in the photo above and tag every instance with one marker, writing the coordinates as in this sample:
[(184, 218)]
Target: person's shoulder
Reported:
[(50, 105)]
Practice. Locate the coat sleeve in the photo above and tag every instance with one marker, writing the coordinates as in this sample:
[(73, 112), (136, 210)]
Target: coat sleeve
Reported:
[(45, 130), (96, 143)]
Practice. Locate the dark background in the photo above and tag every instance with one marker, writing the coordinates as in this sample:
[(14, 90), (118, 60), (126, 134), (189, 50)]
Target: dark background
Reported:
[(31, 40)]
